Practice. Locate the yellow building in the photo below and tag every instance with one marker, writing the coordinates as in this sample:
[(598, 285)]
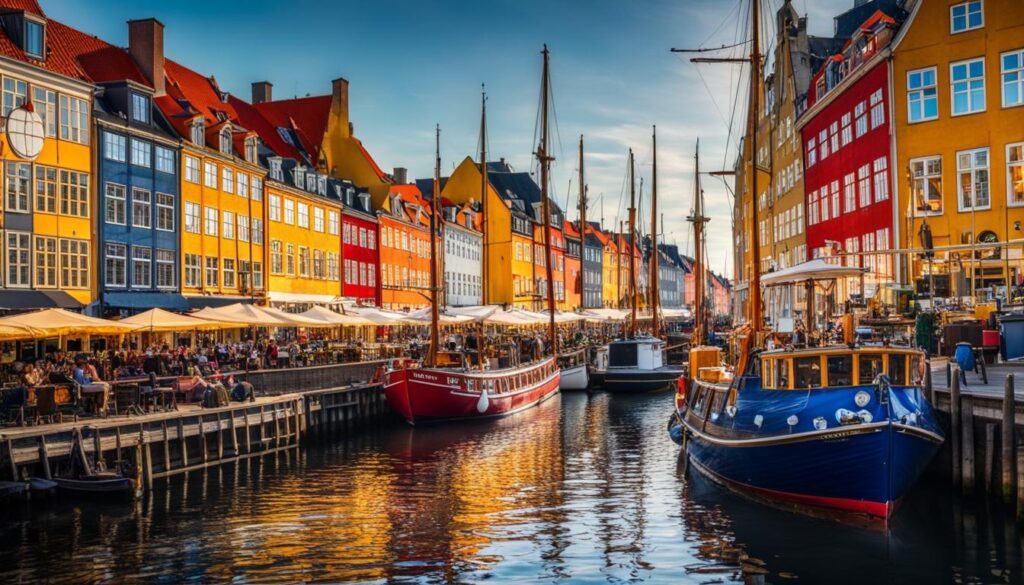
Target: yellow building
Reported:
[(611, 279), (958, 90), (46, 148)]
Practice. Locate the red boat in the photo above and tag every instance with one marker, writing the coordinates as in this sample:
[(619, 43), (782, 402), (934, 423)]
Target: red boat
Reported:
[(429, 395)]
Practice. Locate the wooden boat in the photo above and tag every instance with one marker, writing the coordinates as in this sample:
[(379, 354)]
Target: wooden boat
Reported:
[(12, 489), (106, 483), (41, 487), (574, 371)]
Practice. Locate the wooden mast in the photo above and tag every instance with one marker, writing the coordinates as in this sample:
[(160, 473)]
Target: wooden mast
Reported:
[(483, 193), (583, 204), (756, 317), (699, 281), (435, 333), (632, 234), (653, 284), (545, 160)]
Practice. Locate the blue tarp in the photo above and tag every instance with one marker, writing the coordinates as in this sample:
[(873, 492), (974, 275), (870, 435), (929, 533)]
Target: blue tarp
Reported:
[(145, 300)]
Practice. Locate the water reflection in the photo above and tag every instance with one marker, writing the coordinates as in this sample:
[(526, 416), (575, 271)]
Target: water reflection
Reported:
[(585, 488)]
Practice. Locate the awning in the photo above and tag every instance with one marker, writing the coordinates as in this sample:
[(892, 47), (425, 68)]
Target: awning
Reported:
[(288, 297), (160, 320), (816, 269), (20, 300), (203, 301), (145, 300)]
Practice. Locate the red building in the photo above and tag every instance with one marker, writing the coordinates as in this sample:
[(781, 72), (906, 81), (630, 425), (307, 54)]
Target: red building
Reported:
[(846, 135), (360, 252)]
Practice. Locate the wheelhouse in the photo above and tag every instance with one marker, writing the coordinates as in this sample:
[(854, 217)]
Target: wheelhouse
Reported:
[(840, 368), (642, 353)]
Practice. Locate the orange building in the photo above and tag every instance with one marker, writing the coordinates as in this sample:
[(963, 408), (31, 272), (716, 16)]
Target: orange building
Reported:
[(405, 256), (557, 267)]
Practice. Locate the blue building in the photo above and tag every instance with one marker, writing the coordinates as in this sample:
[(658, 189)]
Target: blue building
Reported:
[(673, 275), (593, 251), (138, 187)]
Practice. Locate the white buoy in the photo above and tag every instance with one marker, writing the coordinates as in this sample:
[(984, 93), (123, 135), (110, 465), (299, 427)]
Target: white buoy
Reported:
[(483, 403)]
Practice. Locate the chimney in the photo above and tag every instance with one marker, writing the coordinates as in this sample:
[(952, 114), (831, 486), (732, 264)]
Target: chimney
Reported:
[(339, 103), (146, 46), (400, 175), (262, 91)]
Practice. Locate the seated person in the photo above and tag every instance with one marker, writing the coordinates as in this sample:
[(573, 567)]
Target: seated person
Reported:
[(214, 394), (241, 391), (88, 379)]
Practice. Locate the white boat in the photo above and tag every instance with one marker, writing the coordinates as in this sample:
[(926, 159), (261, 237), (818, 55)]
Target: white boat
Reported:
[(575, 375)]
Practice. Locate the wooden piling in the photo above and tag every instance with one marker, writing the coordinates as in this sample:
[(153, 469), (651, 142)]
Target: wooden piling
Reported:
[(954, 427), (929, 391), (1020, 484), (234, 436), (967, 447), (44, 457), (167, 446), (990, 456), (182, 443), (10, 459), (97, 449), (1009, 441), (220, 438), (117, 444), (248, 433), (147, 462), (949, 374), (202, 441)]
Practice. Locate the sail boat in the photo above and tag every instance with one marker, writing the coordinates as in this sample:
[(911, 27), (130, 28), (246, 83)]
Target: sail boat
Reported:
[(833, 429), (447, 390), (636, 363)]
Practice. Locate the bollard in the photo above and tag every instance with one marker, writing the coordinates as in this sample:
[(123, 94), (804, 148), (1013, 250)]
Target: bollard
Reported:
[(1009, 441), (954, 428), (967, 444), (990, 455)]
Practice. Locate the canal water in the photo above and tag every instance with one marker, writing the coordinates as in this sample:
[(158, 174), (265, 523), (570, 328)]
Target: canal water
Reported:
[(583, 489)]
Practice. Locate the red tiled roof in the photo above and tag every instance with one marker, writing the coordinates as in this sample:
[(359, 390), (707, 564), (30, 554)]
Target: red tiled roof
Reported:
[(306, 117), (61, 54), (570, 229), (190, 94), (30, 6)]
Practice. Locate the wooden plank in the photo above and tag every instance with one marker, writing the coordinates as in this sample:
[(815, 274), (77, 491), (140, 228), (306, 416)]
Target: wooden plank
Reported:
[(248, 432), (202, 441), (117, 441), (9, 444), (234, 435)]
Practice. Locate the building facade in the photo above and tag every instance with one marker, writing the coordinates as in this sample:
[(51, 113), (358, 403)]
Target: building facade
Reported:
[(573, 267), (593, 253), (404, 249), (463, 254)]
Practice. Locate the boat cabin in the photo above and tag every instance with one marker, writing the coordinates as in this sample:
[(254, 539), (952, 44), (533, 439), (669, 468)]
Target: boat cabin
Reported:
[(644, 353), (840, 367)]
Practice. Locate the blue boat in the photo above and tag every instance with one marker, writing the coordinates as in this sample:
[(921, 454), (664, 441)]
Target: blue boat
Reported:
[(837, 430)]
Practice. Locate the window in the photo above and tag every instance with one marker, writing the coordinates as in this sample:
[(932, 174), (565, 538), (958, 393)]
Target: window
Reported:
[(142, 208), (276, 173), (926, 174), (922, 97), (192, 169), (289, 212), (812, 152), (164, 212), (227, 180), (877, 109), (257, 189), (210, 228), (46, 189), (1015, 174), (242, 184), (15, 94), (967, 80), (46, 262), (972, 179), (140, 108), (114, 146), (115, 204), (275, 207), (303, 261), (303, 215), (115, 264), (318, 265), (290, 260), (142, 267), (191, 217), (362, 239), (210, 175), (74, 263), (276, 259), (74, 193), (229, 273), (193, 271), (849, 193), (165, 269), (347, 234), (833, 134), (45, 102), (34, 39), (835, 199), (257, 275), (318, 219), (332, 223), (243, 228), (847, 133), (1013, 78), (198, 131), (212, 272), (860, 114), (164, 160), (225, 140), (74, 119), (965, 16), (371, 239), (823, 143), (864, 185), (881, 179), (250, 149), (18, 259), (257, 231), (229, 225)]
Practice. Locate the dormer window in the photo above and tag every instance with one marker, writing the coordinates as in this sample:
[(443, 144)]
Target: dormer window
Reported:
[(197, 131), (311, 182), (275, 170), (250, 149), (140, 107), (349, 194), (34, 39), (364, 201), (321, 184), (225, 140), (299, 176)]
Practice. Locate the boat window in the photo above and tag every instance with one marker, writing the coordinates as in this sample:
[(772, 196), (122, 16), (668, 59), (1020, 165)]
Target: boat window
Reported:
[(917, 369), (470, 385), (768, 367), (701, 401), (807, 372), (898, 369), (622, 355), (869, 367), (782, 374), (718, 404), (840, 370)]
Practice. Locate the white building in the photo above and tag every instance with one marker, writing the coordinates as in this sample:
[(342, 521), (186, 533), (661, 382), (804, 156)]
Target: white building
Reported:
[(463, 256)]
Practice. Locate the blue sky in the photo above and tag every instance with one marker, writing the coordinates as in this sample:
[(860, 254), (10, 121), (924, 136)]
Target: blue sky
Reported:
[(414, 64)]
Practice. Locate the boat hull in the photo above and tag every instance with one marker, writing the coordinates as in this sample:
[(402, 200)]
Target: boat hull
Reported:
[(430, 396), (574, 378), (635, 380)]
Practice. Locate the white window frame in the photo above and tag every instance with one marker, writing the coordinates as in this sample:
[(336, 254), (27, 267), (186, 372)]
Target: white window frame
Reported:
[(192, 169), (973, 170), (953, 93), (924, 180), (921, 93), (967, 24), (1018, 72), (1010, 165)]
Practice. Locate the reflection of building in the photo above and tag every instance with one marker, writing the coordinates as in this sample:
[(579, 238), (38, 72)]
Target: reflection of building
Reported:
[(958, 75)]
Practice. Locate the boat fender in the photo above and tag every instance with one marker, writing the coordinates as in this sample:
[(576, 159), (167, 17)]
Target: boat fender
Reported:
[(758, 420), (484, 403), (731, 411)]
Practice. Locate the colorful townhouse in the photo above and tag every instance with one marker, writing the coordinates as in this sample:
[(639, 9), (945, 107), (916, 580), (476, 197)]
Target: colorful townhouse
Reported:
[(593, 253), (670, 275), (557, 259), (958, 96), (405, 257), (612, 278), (462, 254), (46, 149), (847, 133), (573, 267)]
